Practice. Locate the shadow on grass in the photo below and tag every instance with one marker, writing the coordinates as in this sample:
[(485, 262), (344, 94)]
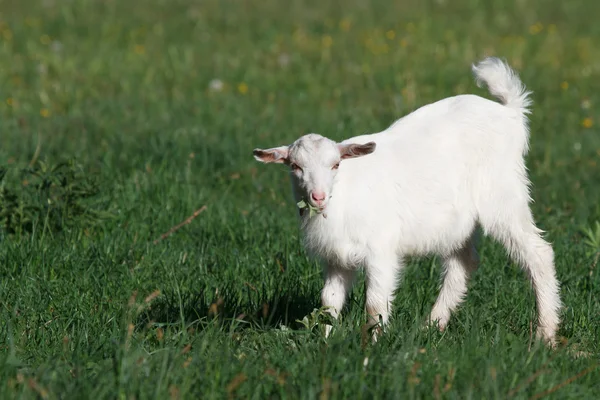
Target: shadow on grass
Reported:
[(262, 311)]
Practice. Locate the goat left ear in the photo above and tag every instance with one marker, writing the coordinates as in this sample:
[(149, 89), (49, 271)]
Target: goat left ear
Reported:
[(277, 155), (356, 150)]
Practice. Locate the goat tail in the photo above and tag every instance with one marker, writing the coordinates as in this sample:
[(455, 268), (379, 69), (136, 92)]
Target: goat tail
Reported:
[(503, 83)]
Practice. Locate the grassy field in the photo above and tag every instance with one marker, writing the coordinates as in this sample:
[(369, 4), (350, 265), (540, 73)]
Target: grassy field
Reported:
[(119, 119)]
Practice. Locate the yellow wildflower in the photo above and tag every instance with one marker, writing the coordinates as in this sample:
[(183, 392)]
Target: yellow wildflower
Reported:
[(345, 25), (44, 112), (536, 28), (139, 49), (299, 35), (327, 41), (243, 88), (29, 21), (10, 101), (390, 34), (587, 122), (564, 85)]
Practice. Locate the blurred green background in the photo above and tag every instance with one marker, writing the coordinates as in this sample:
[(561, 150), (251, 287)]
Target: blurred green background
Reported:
[(119, 119)]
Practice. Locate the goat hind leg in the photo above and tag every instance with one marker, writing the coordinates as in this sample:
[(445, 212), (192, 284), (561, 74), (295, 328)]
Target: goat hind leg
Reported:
[(523, 241), (537, 258), (458, 267)]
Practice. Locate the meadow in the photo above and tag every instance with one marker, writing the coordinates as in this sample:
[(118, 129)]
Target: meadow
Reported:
[(119, 120)]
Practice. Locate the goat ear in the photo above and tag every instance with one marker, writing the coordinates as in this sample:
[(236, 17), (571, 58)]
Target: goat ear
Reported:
[(277, 155), (356, 150)]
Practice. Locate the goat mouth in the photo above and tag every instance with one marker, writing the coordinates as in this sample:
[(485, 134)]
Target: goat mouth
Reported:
[(320, 207), (310, 206)]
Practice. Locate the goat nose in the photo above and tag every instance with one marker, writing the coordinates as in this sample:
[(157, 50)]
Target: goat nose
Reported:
[(318, 196)]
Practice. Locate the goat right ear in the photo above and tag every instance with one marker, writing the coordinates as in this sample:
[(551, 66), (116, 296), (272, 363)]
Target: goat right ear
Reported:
[(277, 155), (356, 150)]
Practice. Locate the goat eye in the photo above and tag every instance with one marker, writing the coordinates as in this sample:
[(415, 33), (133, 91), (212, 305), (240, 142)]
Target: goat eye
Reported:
[(336, 166), (295, 167)]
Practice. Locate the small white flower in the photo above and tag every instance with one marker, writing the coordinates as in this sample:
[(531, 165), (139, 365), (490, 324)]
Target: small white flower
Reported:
[(284, 59), (365, 362), (42, 69), (577, 146), (56, 46), (586, 104), (586, 71), (216, 85)]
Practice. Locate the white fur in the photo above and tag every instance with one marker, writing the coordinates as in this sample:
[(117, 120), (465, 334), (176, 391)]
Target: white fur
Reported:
[(434, 175)]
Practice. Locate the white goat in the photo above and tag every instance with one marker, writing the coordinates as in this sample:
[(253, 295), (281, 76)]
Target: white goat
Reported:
[(420, 187)]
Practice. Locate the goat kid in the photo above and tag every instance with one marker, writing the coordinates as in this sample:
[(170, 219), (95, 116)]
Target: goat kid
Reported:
[(420, 187)]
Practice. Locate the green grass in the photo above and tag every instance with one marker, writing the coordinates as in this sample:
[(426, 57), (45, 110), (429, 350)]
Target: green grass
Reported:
[(122, 89)]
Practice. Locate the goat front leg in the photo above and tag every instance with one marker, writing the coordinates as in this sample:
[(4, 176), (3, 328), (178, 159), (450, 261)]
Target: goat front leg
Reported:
[(338, 282), (381, 283)]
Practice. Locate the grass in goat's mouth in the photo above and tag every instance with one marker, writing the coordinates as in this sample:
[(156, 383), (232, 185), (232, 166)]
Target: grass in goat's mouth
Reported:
[(302, 204)]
